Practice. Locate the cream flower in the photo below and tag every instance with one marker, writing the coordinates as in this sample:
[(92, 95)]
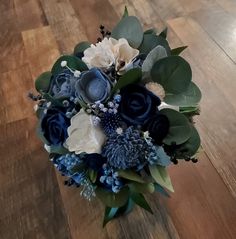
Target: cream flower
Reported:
[(156, 89), (110, 52), (99, 55), (83, 136)]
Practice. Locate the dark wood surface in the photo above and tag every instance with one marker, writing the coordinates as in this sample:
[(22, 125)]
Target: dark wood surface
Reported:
[(34, 203)]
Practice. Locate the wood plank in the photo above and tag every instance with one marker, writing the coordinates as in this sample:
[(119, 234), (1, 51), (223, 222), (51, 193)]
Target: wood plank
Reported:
[(64, 23), (202, 206), (30, 198), (217, 127), (223, 33)]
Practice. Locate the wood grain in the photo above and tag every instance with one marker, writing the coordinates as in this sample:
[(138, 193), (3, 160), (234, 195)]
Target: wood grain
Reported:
[(34, 202)]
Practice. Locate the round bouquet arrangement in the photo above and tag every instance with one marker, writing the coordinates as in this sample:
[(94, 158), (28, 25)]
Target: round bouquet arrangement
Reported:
[(113, 115)]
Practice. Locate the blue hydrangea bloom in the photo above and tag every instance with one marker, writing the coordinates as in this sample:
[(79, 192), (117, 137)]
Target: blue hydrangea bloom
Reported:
[(125, 150)]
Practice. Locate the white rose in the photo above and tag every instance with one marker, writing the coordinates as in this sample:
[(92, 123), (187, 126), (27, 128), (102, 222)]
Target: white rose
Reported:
[(110, 52), (83, 136)]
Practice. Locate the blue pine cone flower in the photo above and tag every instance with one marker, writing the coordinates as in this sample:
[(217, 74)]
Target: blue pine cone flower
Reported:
[(93, 86), (125, 150)]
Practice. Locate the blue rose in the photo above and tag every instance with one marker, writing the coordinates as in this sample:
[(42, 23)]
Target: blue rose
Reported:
[(92, 86), (137, 104), (63, 84), (54, 126)]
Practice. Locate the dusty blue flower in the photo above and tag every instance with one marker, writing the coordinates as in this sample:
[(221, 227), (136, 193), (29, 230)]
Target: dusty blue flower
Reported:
[(125, 150), (93, 86)]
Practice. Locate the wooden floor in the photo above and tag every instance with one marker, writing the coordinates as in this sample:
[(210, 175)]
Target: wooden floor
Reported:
[(34, 204)]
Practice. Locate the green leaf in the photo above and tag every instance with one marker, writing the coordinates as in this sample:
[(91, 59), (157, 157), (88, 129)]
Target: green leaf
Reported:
[(131, 175), (109, 214), (142, 187), (54, 101), (127, 208), (40, 133), (190, 97), (179, 130), (160, 189), (57, 149), (92, 175), (40, 112), (151, 31), (150, 41), (81, 47), (178, 50), (130, 77), (164, 33), (191, 146), (72, 61), (173, 73), (139, 199), (154, 55), (160, 175), (42, 83), (111, 199), (129, 28), (126, 13)]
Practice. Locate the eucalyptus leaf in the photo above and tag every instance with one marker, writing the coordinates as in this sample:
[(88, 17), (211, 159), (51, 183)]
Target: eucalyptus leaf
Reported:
[(141, 187), (72, 61), (178, 50), (151, 31), (154, 55), (173, 73), (164, 33), (191, 146), (140, 200), (81, 47), (111, 199), (160, 175), (150, 41), (109, 214), (129, 28), (179, 129), (130, 77), (190, 97), (42, 83)]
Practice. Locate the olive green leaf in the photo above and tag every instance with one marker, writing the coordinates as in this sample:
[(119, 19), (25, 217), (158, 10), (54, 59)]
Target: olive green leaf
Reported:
[(150, 41), (92, 175), (130, 77), (57, 149), (72, 61), (179, 130), (127, 208), (129, 28), (140, 200), (81, 47), (111, 199), (42, 83), (160, 189), (141, 187), (178, 50), (173, 73), (131, 175), (160, 175), (190, 97), (126, 13)]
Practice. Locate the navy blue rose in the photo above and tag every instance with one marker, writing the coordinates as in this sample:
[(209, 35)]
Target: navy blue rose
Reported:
[(137, 104), (54, 126), (158, 127), (93, 86)]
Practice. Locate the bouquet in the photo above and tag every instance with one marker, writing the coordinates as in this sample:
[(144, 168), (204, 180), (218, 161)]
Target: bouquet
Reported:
[(113, 115)]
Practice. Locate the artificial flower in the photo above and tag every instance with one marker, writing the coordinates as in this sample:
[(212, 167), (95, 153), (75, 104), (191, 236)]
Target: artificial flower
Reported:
[(94, 161), (83, 136), (93, 86), (54, 126), (137, 104), (156, 89)]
